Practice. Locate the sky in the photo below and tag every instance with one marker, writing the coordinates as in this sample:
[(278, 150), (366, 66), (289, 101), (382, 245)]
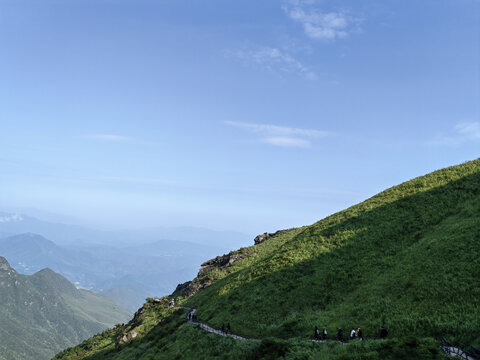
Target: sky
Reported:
[(247, 115)]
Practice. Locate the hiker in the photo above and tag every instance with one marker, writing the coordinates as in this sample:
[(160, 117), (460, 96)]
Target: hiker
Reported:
[(340, 334), (359, 334), (223, 328), (324, 333), (228, 328), (317, 333), (189, 316), (352, 334), (383, 332)]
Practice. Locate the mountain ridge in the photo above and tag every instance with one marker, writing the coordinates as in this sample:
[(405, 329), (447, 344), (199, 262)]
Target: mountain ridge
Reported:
[(42, 313), (406, 258)]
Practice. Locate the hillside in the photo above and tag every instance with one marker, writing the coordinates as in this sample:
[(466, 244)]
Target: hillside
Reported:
[(43, 313), (406, 258)]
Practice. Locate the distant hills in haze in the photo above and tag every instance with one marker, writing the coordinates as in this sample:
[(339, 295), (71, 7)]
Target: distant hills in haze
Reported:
[(67, 234), (124, 266), (43, 313)]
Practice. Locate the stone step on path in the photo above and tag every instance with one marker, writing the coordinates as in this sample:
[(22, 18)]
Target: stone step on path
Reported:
[(210, 329), (454, 351)]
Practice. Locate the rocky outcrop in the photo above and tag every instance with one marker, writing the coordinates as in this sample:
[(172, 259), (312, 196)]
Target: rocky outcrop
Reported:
[(216, 268), (265, 236), (181, 288), (128, 337), (4, 265), (220, 261), (210, 271)]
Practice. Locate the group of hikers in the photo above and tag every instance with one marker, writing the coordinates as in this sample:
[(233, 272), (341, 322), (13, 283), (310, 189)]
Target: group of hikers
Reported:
[(355, 334), (192, 317), (226, 330)]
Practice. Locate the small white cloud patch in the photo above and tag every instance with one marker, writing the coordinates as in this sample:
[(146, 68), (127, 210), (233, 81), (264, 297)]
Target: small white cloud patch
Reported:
[(470, 130), (272, 59), (10, 218), (320, 25), (463, 133), (286, 141), (281, 135)]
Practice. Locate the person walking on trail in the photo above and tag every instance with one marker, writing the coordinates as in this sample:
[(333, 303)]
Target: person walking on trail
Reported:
[(317, 333), (383, 332), (223, 328), (324, 333), (340, 334), (189, 316), (228, 328), (352, 334), (359, 334)]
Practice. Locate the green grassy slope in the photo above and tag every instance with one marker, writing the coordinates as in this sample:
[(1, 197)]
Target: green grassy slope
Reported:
[(407, 257), (43, 313)]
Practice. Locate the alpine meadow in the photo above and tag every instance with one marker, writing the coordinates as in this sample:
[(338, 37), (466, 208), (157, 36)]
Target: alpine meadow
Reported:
[(406, 258)]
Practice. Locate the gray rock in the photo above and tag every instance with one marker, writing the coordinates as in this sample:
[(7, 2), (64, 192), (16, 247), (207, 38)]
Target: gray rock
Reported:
[(265, 236)]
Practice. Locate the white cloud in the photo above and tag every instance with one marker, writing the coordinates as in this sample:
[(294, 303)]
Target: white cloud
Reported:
[(463, 132), (11, 218), (109, 137), (286, 141), (320, 25), (281, 135), (272, 59), (469, 130)]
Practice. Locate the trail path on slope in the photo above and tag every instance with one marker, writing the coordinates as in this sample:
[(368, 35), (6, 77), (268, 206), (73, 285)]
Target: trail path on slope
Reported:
[(449, 350), (210, 329), (454, 351), (224, 333)]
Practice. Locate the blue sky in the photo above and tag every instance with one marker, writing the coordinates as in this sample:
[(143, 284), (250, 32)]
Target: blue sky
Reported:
[(242, 115)]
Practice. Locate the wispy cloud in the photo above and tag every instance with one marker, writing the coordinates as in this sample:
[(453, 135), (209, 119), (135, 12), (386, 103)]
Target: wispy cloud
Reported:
[(286, 141), (470, 130), (281, 135), (327, 26), (135, 180), (462, 133), (109, 137), (272, 59)]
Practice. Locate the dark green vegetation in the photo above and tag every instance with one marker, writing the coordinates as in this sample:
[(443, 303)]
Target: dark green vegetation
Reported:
[(407, 257), (43, 313)]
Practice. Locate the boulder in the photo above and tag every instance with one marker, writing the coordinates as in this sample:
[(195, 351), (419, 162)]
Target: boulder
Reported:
[(265, 236)]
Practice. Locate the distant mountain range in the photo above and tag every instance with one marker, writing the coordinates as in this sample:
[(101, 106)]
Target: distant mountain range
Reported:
[(43, 313), (124, 266), (67, 234)]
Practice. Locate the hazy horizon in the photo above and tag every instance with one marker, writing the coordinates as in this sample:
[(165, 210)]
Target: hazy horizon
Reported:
[(241, 116)]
